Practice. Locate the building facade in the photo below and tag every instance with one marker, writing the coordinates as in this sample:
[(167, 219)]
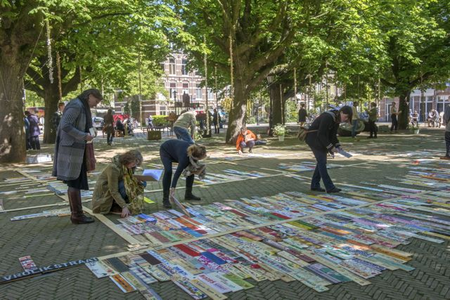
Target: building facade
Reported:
[(184, 90), (422, 102)]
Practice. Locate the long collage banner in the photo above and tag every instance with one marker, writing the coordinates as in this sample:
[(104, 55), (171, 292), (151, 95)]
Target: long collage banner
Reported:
[(319, 240)]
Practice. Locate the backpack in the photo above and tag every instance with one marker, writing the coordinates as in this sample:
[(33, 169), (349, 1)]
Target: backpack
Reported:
[(302, 132)]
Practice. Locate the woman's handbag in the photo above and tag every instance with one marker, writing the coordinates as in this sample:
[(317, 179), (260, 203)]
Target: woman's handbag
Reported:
[(89, 157)]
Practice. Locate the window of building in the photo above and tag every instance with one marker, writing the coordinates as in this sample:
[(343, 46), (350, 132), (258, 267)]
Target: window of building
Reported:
[(198, 92), (172, 66), (183, 67), (210, 94), (173, 90)]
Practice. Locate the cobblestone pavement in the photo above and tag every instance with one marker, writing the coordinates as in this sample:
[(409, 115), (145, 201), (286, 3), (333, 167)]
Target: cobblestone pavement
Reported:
[(55, 240)]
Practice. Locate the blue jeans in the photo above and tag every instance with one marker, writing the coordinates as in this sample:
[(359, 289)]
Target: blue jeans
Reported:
[(355, 125), (249, 144), (183, 134), (394, 125), (122, 191), (321, 171)]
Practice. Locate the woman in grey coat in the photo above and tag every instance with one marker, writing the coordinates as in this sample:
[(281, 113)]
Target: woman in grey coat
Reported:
[(69, 163)]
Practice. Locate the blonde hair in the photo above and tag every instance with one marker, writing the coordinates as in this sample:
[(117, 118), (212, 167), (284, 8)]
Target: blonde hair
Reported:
[(131, 157), (197, 151)]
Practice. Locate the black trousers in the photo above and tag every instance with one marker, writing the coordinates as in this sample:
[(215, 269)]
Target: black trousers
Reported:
[(373, 128)]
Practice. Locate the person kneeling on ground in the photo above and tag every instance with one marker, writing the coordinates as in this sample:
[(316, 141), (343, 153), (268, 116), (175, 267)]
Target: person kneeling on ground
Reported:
[(187, 156), (117, 190), (246, 138), (322, 139)]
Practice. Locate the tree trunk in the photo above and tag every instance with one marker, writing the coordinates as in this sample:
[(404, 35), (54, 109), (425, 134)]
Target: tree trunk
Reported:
[(404, 108), (12, 133), (238, 111), (276, 104), (51, 99)]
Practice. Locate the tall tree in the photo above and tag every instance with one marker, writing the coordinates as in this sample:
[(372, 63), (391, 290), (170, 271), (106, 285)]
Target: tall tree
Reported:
[(22, 28), (102, 51), (416, 37), (243, 38)]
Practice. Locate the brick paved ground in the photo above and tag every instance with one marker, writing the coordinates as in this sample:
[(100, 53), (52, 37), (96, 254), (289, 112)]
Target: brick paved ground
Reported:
[(55, 240)]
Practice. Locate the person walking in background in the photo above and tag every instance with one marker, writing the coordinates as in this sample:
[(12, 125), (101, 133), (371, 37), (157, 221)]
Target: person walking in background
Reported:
[(322, 139), (373, 113), (415, 119), (186, 155), (150, 122), (216, 121), (184, 122), (57, 115), (117, 190), (355, 118), (302, 115), (245, 139), (34, 131), (69, 164), (27, 129), (108, 127), (446, 121), (394, 114)]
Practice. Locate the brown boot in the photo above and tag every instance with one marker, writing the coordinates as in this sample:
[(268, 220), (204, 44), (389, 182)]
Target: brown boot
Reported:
[(76, 208)]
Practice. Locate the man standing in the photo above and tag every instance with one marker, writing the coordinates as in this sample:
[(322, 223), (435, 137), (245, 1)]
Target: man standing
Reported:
[(57, 115), (216, 121), (355, 118), (302, 115), (185, 121), (446, 120), (34, 131), (373, 113)]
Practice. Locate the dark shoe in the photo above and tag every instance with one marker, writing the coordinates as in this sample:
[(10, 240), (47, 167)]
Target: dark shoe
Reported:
[(250, 151), (76, 208), (166, 202), (334, 190), (81, 220), (191, 197), (318, 189)]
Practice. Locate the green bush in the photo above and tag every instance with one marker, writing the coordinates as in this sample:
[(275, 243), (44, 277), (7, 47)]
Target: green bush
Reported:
[(251, 120), (279, 130), (160, 120)]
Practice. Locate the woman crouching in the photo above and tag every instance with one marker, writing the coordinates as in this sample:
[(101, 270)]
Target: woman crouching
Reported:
[(117, 190)]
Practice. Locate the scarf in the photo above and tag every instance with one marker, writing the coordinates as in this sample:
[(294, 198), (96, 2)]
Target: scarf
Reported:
[(134, 190), (195, 167)]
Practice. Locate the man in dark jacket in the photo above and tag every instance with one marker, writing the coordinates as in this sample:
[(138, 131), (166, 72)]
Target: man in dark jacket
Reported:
[(322, 139), (446, 120)]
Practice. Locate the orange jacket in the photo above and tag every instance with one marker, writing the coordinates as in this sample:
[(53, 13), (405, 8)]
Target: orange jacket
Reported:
[(241, 138)]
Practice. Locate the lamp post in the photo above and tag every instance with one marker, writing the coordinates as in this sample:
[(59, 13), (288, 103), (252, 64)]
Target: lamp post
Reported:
[(270, 80), (175, 101)]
